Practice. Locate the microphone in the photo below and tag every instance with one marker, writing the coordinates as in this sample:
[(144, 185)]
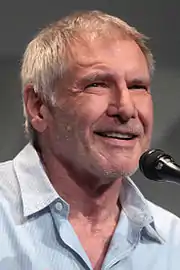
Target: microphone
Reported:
[(156, 165)]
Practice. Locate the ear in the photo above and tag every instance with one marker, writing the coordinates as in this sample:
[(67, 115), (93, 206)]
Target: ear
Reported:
[(35, 108)]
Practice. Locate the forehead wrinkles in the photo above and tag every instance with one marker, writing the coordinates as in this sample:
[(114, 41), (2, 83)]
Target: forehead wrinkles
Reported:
[(85, 53), (94, 56), (84, 46)]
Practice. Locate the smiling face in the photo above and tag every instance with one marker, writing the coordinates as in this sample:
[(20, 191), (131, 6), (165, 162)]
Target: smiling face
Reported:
[(103, 117)]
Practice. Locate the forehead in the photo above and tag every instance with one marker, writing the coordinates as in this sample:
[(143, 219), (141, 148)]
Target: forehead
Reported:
[(123, 57)]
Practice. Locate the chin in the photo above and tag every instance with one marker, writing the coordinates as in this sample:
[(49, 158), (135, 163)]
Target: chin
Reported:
[(113, 171), (115, 165), (123, 171)]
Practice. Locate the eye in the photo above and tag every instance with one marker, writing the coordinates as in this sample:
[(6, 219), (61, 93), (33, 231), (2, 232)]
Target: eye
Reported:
[(138, 87), (97, 84)]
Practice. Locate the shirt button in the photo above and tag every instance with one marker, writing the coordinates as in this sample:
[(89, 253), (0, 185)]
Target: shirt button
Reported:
[(58, 206)]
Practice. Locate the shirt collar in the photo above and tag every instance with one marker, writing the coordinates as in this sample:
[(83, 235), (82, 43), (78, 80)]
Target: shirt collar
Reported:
[(138, 213), (37, 193)]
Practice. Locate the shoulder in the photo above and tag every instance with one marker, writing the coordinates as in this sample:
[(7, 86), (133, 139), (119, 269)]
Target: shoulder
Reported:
[(7, 174), (160, 214), (166, 223), (4, 166), (9, 187)]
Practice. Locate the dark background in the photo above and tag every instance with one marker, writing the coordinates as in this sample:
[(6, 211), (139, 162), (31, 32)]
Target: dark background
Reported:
[(160, 20)]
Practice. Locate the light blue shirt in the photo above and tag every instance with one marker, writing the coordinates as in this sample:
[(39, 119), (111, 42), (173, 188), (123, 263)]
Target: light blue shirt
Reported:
[(35, 233)]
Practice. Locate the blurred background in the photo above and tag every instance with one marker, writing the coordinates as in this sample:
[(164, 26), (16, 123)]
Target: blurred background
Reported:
[(160, 20)]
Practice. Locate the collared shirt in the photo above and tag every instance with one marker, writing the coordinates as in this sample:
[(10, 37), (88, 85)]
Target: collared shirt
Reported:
[(35, 233)]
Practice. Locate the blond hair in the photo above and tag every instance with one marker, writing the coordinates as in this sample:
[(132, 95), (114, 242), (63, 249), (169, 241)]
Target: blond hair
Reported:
[(47, 56)]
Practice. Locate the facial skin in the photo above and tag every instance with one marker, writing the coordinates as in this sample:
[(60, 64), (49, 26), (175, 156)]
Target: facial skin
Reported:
[(106, 92)]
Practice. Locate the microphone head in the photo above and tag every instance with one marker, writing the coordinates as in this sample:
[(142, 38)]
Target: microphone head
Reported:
[(149, 161)]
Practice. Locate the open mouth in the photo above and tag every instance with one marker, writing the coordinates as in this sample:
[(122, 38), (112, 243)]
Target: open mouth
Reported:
[(117, 135)]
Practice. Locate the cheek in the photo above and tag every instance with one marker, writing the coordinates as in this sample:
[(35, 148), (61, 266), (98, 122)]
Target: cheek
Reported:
[(91, 108), (93, 103), (75, 118)]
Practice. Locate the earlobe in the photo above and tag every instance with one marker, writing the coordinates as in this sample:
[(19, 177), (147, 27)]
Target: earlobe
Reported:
[(35, 109), (39, 123)]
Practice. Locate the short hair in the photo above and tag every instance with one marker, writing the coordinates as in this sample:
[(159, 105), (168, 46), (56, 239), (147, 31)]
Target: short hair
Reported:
[(48, 55)]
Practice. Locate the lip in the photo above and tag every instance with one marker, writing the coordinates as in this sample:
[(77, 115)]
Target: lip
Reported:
[(130, 132), (118, 142)]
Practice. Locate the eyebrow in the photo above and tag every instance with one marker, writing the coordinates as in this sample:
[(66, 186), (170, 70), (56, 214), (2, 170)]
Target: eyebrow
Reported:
[(100, 76), (140, 80), (110, 76)]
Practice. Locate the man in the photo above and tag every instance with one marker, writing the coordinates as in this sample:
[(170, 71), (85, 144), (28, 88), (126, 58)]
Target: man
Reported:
[(66, 199)]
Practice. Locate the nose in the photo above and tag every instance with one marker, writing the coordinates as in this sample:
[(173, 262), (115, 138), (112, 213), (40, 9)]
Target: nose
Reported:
[(123, 105)]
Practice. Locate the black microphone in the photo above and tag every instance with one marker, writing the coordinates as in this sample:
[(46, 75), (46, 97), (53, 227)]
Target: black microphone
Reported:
[(156, 165)]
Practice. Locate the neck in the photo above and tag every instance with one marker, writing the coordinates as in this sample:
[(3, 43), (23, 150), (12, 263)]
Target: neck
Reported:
[(92, 202)]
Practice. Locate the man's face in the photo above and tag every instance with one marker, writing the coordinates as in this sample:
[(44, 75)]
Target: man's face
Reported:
[(103, 118)]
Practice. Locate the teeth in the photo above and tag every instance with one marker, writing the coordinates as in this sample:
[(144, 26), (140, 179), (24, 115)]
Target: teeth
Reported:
[(118, 135)]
